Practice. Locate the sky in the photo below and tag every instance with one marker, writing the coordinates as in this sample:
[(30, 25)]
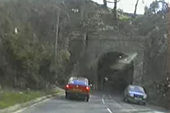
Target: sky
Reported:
[(129, 5)]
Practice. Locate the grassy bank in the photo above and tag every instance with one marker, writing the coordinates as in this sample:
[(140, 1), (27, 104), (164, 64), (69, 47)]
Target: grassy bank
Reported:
[(10, 98)]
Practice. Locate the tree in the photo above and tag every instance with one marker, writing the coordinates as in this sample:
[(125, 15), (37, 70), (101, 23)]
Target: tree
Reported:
[(147, 11), (164, 6), (136, 5), (29, 53), (105, 3), (157, 6), (114, 9), (154, 6)]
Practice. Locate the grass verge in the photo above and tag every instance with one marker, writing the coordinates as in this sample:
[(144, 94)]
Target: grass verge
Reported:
[(10, 98)]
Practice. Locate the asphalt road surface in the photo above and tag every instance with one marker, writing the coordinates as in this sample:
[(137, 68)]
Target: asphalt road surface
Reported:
[(99, 103)]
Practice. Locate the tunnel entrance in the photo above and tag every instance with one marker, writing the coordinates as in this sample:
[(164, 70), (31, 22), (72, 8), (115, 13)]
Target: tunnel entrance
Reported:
[(113, 73)]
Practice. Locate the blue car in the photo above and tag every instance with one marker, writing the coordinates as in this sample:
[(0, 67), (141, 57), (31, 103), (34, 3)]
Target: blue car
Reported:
[(135, 94)]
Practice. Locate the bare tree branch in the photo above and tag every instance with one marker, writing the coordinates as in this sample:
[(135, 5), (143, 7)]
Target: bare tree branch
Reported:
[(105, 3), (136, 6)]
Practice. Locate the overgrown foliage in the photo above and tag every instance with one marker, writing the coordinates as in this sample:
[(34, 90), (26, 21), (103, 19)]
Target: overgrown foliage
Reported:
[(153, 26), (27, 34), (157, 6)]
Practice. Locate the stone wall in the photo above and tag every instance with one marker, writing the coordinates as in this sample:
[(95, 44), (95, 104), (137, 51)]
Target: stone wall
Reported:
[(87, 59)]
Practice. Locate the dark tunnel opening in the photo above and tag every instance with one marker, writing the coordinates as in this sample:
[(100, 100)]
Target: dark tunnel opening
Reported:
[(114, 76)]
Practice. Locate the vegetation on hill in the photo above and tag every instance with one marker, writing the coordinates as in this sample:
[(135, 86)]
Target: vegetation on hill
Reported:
[(28, 38)]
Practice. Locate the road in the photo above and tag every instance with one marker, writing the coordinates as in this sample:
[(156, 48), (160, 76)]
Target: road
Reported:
[(99, 103)]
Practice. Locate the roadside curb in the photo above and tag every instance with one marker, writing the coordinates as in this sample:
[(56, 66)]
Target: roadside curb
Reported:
[(29, 103)]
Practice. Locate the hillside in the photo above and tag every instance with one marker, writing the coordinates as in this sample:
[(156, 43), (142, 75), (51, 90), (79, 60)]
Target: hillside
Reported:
[(29, 51)]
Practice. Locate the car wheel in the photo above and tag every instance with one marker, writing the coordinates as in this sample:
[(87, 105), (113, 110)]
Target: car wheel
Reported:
[(125, 99), (144, 103), (86, 98), (141, 103), (67, 95)]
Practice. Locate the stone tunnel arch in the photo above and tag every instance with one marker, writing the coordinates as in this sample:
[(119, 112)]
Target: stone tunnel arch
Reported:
[(86, 60), (112, 74)]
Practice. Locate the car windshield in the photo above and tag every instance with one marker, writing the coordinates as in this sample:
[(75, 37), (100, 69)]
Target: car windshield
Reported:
[(136, 89), (80, 56)]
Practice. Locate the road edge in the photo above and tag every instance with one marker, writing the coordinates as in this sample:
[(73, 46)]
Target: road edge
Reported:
[(29, 103)]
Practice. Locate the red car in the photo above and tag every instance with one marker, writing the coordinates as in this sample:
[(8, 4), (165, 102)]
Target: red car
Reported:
[(77, 87)]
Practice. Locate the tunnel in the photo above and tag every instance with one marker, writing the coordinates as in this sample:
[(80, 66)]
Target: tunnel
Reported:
[(113, 74)]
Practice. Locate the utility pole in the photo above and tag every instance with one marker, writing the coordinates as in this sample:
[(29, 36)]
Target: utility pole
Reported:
[(136, 6), (57, 34), (115, 10), (168, 50)]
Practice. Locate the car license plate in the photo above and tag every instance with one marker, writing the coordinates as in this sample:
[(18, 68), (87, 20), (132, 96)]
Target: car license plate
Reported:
[(137, 98), (76, 90)]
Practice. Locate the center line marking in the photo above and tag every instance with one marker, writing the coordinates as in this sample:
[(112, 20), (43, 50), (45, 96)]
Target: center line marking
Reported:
[(109, 110), (103, 101)]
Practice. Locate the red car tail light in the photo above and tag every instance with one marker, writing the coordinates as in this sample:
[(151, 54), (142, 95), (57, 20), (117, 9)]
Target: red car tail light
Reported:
[(87, 88), (67, 86)]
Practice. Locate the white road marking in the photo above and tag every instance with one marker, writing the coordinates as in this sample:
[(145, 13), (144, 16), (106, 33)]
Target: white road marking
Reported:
[(141, 110), (109, 110), (106, 107), (23, 109), (103, 101)]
